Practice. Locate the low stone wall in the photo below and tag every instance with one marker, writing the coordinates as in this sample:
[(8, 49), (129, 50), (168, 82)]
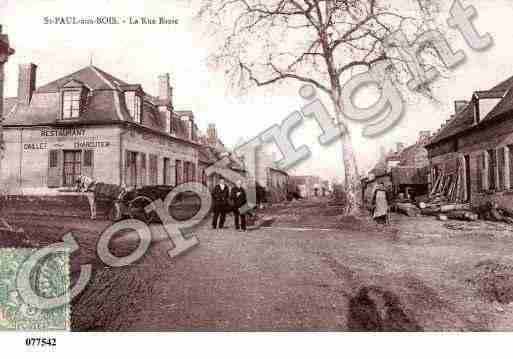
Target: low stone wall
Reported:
[(69, 205)]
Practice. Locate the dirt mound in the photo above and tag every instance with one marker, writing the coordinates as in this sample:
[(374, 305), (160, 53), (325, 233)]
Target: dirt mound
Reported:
[(113, 299), (376, 309), (493, 281), (114, 296)]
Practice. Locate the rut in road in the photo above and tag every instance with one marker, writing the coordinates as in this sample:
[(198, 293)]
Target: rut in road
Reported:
[(373, 308)]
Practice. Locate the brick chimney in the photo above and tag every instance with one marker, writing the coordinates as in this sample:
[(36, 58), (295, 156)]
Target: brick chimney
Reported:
[(165, 89), (26, 83), (212, 134), (399, 147)]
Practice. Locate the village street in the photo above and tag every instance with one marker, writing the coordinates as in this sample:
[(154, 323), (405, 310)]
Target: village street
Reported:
[(298, 275)]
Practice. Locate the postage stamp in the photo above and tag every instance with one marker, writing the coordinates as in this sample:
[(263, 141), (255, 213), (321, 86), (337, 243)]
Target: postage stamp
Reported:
[(49, 279)]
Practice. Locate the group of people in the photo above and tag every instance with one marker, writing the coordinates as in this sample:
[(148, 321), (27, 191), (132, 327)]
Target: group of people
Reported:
[(225, 201)]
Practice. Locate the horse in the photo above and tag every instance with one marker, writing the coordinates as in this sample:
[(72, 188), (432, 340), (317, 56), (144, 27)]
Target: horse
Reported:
[(87, 185), (92, 190)]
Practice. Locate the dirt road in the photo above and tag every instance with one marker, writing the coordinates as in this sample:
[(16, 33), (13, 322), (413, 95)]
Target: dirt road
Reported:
[(297, 280), (415, 275)]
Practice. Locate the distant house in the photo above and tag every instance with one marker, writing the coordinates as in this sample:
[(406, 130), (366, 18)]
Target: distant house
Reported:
[(307, 185), (471, 157), (213, 152), (410, 176), (402, 170)]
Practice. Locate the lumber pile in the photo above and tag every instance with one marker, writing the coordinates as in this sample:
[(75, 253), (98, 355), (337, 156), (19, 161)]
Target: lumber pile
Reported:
[(448, 186), (447, 197), (430, 209)]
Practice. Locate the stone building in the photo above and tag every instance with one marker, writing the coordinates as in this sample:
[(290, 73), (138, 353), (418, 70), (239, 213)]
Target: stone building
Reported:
[(410, 176), (213, 152), (92, 123), (5, 52), (471, 157)]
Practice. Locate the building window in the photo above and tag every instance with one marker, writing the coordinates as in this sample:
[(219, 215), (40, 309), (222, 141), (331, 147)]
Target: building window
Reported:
[(186, 171), (203, 177), (167, 171), (153, 169), (88, 158), (53, 158), (133, 104), (131, 169), (178, 172), (492, 167), (70, 104), (143, 169)]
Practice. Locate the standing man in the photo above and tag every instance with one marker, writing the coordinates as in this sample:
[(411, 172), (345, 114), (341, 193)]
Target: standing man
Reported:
[(220, 197), (238, 197)]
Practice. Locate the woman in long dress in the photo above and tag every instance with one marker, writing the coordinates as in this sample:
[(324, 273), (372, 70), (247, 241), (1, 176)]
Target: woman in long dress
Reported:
[(380, 204)]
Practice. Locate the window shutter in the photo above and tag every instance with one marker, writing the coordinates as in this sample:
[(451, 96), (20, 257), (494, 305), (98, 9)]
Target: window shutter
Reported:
[(193, 172), (510, 159), (143, 169), (480, 171), (492, 169), (87, 163), (501, 159), (127, 167), (55, 158), (507, 168)]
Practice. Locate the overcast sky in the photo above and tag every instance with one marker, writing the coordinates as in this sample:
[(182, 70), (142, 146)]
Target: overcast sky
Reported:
[(139, 53)]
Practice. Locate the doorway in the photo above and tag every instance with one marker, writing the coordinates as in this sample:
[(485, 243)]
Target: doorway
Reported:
[(72, 167)]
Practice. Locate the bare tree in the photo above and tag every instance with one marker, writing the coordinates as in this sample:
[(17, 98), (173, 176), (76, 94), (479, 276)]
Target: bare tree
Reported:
[(318, 42)]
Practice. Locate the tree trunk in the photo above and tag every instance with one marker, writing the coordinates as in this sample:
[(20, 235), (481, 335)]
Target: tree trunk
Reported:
[(351, 178)]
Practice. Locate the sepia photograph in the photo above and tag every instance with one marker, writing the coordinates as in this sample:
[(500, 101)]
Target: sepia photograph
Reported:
[(249, 166)]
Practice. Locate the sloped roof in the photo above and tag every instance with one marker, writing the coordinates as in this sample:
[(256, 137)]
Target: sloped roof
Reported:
[(105, 103), (464, 120), (9, 104), (91, 76), (44, 109), (410, 155), (207, 155), (379, 169)]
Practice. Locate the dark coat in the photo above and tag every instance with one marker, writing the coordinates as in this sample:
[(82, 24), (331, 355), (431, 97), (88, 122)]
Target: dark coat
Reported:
[(220, 196), (238, 197)]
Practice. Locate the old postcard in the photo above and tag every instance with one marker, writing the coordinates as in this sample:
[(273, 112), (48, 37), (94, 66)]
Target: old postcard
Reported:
[(256, 165)]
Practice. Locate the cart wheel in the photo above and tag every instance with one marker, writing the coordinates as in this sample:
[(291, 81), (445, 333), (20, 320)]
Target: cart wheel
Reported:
[(136, 209)]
